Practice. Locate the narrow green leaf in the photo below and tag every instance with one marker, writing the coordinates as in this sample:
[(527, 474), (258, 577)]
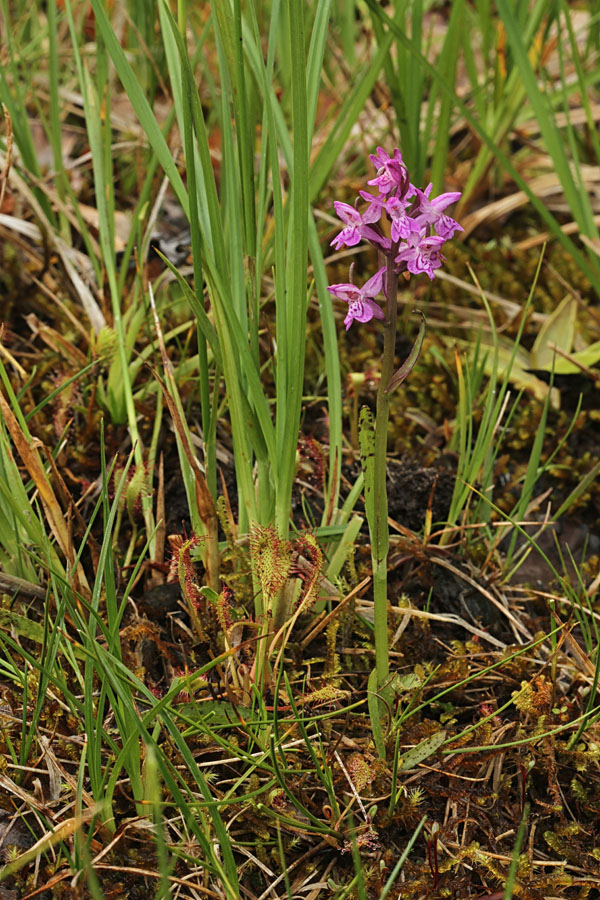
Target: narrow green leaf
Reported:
[(139, 102), (552, 138)]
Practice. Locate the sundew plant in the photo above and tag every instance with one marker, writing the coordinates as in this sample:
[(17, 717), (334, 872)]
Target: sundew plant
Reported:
[(418, 225)]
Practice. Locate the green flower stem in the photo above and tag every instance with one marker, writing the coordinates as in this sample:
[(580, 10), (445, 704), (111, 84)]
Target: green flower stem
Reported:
[(379, 527)]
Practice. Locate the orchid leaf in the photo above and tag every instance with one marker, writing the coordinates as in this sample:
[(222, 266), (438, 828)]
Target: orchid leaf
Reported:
[(558, 331), (519, 366), (551, 352), (422, 751), (410, 362), (583, 359)]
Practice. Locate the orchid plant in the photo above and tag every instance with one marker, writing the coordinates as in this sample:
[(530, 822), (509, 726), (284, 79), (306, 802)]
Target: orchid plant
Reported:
[(411, 244)]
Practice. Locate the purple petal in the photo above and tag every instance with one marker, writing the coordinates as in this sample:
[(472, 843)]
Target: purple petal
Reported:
[(445, 200), (348, 236), (380, 158), (374, 209), (347, 213), (373, 286)]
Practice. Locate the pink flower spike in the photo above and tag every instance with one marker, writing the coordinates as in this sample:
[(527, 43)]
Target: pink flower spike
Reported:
[(361, 306), (431, 212), (351, 234), (421, 254)]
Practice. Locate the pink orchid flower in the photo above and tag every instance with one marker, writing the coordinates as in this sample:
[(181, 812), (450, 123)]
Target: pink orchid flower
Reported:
[(352, 233), (431, 212), (361, 306), (421, 253)]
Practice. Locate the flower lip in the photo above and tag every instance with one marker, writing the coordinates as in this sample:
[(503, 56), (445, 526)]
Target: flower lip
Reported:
[(362, 311), (352, 234)]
